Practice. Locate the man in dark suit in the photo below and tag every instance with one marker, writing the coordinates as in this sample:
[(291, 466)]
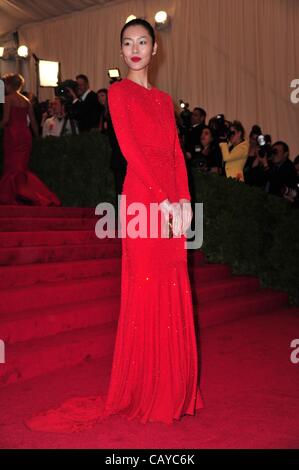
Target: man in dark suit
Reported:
[(281, 175), (192, 142), (85, 107)]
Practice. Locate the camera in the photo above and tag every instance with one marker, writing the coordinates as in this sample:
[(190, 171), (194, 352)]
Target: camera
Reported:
[(221, 127), (264, 141), (62, 90), (200, 161), (67, 100)]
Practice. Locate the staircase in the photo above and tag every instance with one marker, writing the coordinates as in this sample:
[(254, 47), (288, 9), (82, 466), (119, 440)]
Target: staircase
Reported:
[(60, 290)]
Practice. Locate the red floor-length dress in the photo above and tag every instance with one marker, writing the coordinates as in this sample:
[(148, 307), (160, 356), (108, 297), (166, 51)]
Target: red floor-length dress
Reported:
[(155, 368), (155, 363), (18, 185)]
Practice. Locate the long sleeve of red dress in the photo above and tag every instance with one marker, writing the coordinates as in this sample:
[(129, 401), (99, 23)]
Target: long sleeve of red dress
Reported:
[(179, 161)]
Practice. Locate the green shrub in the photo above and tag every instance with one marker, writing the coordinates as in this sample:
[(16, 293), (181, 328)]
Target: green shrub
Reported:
[(75, 168), (254, 232)]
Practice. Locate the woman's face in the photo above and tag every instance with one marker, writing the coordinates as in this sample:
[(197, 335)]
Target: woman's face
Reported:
[(206, 137), (137, 42), (102, 97), (235, 138), (253, 139)]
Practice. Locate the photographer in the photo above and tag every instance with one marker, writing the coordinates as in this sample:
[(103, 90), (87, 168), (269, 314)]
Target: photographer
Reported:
[(236, 154), (293, 195), (281, 176), (192, 136), (57, 124), (85, 105), (254, 173)]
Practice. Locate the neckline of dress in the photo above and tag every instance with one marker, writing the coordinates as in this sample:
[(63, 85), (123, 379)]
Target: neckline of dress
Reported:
[(140, 86)]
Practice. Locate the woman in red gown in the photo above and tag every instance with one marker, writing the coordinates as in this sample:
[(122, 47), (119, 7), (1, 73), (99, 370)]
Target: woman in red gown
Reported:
[(155, 370), (18, 185), (155, 364)]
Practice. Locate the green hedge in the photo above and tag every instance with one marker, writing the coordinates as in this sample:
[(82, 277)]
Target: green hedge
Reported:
[(255, 233), (76, 168)]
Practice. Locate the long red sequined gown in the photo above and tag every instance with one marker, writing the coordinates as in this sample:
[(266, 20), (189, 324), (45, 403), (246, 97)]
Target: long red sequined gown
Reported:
[(155, 369), (18, 185), (155, 364)]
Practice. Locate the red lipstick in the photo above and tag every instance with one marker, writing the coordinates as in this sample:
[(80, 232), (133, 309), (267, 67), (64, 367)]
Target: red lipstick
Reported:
[(135, 59)]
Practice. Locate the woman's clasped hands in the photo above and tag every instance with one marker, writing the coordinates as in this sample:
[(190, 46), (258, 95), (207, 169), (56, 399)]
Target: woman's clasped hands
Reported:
[(177, 217)]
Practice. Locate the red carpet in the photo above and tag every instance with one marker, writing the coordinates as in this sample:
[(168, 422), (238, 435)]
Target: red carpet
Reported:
[(59, 307)]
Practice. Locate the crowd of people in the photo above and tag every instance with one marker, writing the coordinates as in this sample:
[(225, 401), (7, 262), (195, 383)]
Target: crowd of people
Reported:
[(74, 109), (219, 146)]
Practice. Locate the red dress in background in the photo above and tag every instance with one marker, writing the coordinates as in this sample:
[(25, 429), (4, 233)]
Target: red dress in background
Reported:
[(154, 373), (18, 185)]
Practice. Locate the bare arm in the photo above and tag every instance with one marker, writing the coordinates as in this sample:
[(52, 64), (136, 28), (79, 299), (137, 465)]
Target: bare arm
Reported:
[(33, 120), (6, 113)]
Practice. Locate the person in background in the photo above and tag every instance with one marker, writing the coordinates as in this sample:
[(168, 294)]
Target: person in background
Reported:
[(293, 195), (18, 185), (236, 154), (192, 137), (85, 105), (48, 112), (58, 125), (103, 102), (254, 174), (281, 175), (210, 154), (253, 144)]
